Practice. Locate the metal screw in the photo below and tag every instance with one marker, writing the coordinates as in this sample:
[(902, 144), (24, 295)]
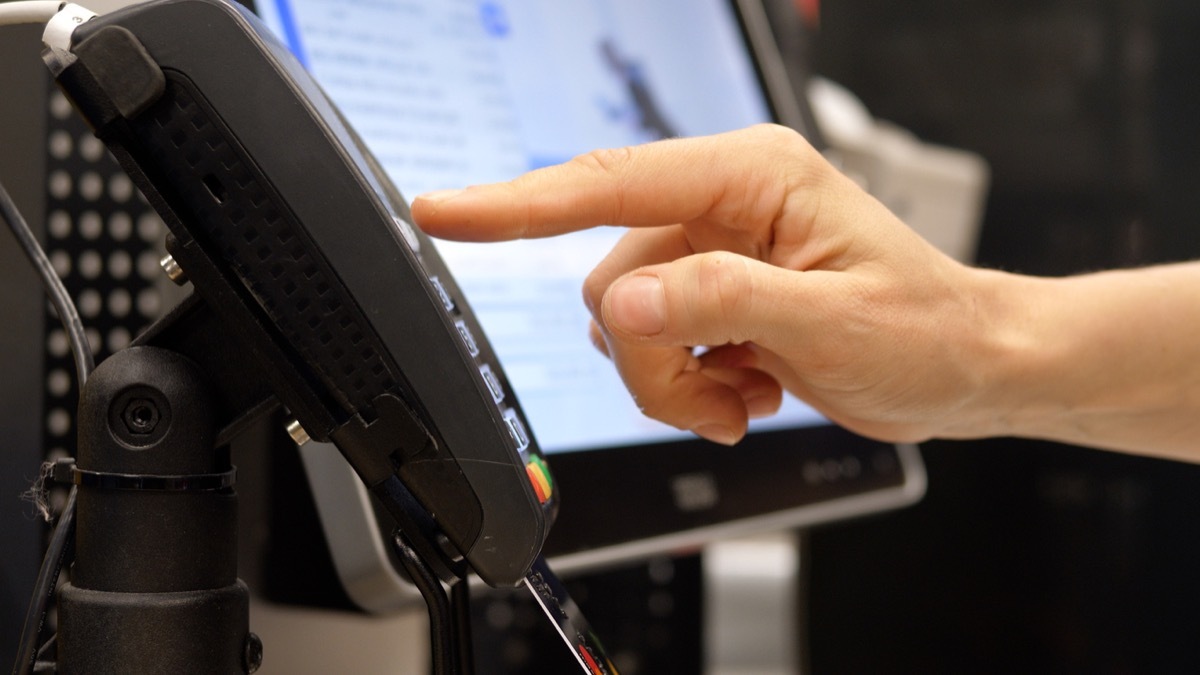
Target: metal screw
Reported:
[(174, 272), (140, 416), (297, 432), (252, 657)]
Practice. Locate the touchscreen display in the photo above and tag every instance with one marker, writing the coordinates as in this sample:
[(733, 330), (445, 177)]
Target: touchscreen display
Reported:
[(449, 93)]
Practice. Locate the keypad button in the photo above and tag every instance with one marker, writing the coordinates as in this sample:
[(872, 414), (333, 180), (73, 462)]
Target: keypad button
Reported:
[(493, 383), (447, 302), (467, 338), (410, 236), (516, 429)]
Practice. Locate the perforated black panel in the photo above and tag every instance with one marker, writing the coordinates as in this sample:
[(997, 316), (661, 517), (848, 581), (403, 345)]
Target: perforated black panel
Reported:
[(316, 316), (105, 243)]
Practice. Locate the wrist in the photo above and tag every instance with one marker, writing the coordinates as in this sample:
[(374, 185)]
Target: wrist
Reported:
[(1104, 360), (1012, 349)]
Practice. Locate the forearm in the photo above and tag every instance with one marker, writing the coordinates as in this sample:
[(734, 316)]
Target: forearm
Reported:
[(1109, 360)]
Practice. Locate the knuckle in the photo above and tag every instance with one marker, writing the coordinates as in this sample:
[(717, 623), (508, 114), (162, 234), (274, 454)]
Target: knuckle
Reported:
[(779, 136), (724, 292), (608, 161), (788, 145), (594, 287), (609, 167), (651, 406)]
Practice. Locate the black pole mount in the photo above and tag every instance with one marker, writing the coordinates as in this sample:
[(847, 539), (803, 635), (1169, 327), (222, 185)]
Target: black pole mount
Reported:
[(154, 584)]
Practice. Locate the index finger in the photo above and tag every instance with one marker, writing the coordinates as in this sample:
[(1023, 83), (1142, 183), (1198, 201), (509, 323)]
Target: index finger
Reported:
[(740, 176)]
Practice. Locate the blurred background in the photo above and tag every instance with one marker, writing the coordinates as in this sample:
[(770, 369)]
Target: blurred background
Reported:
[(1023, 557), (1026, 556)]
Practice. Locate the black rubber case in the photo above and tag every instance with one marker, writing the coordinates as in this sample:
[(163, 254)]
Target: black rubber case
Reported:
[(289, 230)]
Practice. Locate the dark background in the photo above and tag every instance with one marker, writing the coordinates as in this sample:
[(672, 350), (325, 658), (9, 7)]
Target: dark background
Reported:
[(22, 165), (1027, 556)]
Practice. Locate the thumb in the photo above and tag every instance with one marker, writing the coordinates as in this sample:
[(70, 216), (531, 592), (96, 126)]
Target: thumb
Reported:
[(704, 299)]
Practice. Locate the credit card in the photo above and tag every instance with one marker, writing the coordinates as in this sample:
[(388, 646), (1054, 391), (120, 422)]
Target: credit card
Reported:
[(568, 620)]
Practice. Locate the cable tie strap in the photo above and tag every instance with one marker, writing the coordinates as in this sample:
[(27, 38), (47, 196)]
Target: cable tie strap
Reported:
[(61, 471), (127, 481), (60, 28)]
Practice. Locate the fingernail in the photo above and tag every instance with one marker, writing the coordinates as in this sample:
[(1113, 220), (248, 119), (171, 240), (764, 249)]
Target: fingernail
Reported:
[(717, 433), (439, 196), (638, 305)]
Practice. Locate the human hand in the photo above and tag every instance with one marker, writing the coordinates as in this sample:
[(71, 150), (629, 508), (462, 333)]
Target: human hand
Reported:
[(751, 245)]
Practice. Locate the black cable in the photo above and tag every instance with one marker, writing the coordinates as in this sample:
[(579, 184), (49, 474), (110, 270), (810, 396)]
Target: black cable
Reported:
[(460, 605), (444, 651), (59, 548), (80, 348), (56, 556)]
